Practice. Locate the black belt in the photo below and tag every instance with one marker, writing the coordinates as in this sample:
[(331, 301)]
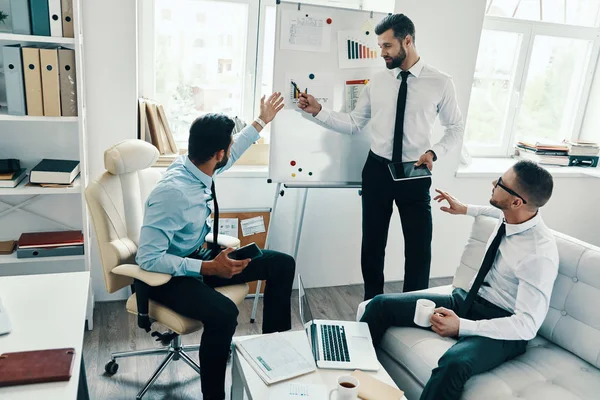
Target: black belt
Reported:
[(379, 158)]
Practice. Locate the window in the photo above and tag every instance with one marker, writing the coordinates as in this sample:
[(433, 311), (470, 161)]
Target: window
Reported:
[(201, 56), (532, 75)]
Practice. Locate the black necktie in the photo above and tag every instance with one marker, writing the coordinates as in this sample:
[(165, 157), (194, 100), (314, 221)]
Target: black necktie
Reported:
[(399, 128), (215, 245), (486, 265)]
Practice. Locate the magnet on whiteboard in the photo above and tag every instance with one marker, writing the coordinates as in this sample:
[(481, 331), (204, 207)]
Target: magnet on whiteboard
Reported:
[(311, 76), (310, 174), (292, 163), (293, 175), (329, 21)]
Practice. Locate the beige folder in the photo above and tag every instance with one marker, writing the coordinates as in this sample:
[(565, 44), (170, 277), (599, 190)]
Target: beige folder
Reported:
[(50, 82), (33, 81), (68, 82), (67, 18)]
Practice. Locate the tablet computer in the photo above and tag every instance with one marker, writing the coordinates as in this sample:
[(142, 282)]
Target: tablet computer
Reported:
[(406, 170)]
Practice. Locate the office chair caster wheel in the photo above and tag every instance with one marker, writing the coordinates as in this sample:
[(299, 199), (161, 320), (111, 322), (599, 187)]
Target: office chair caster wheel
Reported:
[(111, 367)]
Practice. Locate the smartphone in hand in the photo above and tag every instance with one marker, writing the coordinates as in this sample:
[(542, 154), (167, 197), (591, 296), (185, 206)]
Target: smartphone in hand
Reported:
[(250, 251)]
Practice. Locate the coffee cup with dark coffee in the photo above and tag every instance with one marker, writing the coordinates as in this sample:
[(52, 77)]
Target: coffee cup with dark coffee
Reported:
[(347, 388)]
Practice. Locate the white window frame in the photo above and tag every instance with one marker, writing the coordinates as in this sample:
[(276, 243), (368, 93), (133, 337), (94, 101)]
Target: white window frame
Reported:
[(147, 54), (529, 30)]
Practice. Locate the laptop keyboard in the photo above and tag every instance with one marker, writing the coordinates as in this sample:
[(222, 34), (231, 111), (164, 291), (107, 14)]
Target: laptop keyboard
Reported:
[(335, 346)]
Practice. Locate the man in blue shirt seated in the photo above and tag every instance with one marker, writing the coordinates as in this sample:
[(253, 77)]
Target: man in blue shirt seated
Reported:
[(174, 230)]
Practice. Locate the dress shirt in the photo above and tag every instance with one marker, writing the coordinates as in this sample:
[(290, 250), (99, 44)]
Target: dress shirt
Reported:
[(176, 213), (520, 280), (430, 92)]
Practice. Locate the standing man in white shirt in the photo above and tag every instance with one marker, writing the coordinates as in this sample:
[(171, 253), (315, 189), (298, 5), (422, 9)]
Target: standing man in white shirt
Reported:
[(402, 105), (508, 299)]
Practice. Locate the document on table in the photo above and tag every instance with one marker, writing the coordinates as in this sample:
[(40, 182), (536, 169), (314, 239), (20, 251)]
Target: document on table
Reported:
[(274, 358)]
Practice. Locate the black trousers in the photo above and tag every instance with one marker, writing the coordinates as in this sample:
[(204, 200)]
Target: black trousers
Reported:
[(196, 298), (379, 192), (469, 356)]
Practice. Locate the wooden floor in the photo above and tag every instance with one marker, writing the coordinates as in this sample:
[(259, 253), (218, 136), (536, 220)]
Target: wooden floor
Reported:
[(116, 330)]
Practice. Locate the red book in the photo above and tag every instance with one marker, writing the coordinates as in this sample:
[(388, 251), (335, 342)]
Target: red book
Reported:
[(50, 239)]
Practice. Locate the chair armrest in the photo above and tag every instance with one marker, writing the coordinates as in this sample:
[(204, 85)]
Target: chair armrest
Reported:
[(134, 271), (224, 240)]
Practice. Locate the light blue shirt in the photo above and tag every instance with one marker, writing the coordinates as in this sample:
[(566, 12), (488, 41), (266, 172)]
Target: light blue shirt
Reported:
[(176, 213)]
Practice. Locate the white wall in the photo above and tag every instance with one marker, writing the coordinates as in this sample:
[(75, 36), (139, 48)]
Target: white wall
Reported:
[(110, 60), (330, 247)]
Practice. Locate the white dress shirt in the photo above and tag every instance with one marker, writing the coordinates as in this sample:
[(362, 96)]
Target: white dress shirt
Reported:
[(430, 92), (520, 280)]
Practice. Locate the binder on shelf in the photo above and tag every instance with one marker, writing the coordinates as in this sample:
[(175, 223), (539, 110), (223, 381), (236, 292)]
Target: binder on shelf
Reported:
[(33, 81), (20, 17), (68, 82), (13, 75), (50, 82), (67, 18), (55, 18), (40, 22)]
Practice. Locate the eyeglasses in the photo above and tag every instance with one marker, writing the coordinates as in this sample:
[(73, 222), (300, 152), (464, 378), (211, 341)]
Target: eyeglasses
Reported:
[(508, 190)]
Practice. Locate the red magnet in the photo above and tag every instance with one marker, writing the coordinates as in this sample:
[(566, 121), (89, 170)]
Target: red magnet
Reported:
[(293, 163), (329, 21)]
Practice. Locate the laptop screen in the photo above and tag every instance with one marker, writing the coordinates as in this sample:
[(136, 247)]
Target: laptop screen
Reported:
[(305, 314)]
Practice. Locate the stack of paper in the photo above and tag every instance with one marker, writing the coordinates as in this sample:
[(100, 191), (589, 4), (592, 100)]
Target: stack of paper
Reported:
[(274, 358), (582, 148)]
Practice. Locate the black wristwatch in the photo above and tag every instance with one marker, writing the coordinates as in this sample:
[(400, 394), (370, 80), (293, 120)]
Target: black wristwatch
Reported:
[(434, 155)]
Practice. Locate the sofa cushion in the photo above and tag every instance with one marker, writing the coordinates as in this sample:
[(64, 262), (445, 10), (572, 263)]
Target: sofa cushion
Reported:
[(545, 371)]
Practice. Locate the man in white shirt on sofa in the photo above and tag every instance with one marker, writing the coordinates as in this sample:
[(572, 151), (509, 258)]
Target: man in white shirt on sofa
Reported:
[(508, 299)]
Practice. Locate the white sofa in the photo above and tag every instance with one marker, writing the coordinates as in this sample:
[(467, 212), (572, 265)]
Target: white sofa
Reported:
[(561, 363)]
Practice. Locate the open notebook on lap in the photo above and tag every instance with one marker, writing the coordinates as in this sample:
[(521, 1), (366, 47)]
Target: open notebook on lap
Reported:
[(337, 344)]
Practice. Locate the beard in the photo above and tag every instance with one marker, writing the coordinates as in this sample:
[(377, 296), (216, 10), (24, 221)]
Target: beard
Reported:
[(222, 163), (499, 205), (397, 60)]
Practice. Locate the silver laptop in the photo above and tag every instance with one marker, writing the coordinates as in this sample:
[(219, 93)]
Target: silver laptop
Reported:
[(337, 344)]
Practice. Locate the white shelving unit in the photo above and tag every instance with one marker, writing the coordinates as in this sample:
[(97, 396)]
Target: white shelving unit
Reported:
[(28, 138)]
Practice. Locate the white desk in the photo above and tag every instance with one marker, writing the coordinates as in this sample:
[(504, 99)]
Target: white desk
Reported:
[(46, 312), (244, 379)]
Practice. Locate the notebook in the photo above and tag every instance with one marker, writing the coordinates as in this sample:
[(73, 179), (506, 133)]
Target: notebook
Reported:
[(27, 367)]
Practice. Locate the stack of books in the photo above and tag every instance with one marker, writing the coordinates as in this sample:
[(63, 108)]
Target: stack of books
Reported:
[(583, 153), (12, 179), (547, 153), (50, 244)]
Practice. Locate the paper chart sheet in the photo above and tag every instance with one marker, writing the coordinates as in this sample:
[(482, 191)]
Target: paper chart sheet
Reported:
[(305, 32)]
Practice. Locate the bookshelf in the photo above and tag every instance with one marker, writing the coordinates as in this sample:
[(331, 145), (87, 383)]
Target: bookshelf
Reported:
[(30, 139)]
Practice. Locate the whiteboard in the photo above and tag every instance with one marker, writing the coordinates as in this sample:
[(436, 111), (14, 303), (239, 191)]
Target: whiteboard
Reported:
[(308, 52)]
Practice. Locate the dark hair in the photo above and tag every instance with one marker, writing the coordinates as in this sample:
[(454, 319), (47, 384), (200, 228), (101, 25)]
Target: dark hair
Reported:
[(534, 182), (400, 23), (208, 135)]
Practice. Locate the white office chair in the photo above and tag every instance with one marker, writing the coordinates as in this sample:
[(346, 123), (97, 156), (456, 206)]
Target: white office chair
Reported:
[(116, 202)]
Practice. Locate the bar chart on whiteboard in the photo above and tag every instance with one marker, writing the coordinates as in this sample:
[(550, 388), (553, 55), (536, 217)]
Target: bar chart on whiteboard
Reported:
[(358, 49)]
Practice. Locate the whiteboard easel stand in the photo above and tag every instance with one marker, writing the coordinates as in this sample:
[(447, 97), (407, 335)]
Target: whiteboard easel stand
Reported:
[(278, 193)]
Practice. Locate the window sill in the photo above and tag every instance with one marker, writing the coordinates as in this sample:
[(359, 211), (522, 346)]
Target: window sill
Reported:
[(495, 167)]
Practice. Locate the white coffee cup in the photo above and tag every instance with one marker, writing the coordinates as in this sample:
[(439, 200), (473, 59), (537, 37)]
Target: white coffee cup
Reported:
[(347, 388), (423, 312)]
